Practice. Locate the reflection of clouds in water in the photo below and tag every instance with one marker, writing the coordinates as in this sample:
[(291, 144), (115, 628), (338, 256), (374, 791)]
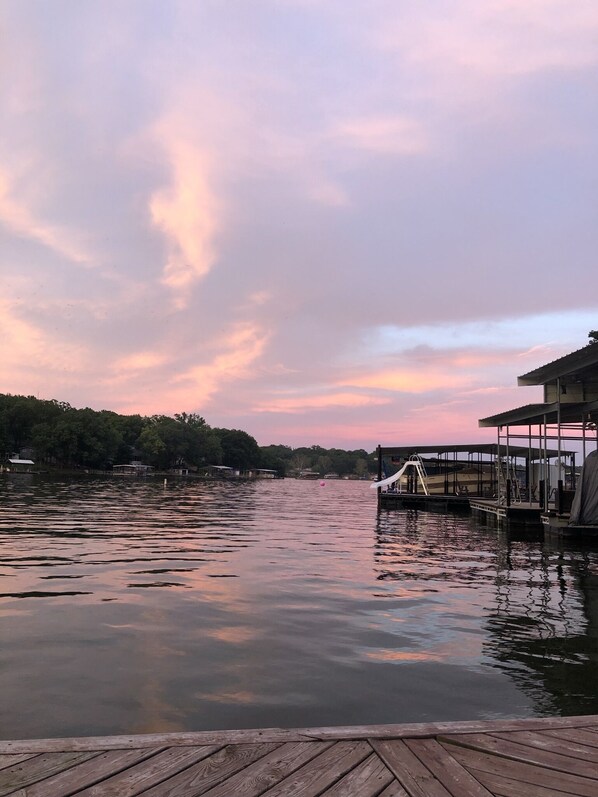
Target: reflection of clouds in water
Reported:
[(229, 697), (401, 655), (236, 635), (304, 633)]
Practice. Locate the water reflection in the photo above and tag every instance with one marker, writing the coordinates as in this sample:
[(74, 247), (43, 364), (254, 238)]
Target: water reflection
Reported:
[(127, 606)]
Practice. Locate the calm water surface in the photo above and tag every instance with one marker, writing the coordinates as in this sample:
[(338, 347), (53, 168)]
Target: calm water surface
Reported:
[(130, 606)]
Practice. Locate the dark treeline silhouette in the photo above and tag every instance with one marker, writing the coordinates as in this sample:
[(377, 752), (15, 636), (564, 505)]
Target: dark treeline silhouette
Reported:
[(58, 435)]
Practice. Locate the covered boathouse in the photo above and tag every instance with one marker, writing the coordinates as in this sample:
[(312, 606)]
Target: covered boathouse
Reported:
[(567, 415), (450, 477)]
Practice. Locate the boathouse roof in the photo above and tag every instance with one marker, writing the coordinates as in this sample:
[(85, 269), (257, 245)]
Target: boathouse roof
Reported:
[(462, 448), (531, 414), (576, 365)]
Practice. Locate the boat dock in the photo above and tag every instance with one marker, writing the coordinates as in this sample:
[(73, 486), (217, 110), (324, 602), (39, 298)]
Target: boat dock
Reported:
[(520, 515), (551, 757), (428, 503)]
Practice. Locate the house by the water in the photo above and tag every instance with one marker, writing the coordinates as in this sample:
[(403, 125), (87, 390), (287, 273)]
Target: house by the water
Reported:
[(17, 465), (531, 474), (568, 415)]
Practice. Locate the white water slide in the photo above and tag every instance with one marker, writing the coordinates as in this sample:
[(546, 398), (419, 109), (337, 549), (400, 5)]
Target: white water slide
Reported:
[(411, 463)]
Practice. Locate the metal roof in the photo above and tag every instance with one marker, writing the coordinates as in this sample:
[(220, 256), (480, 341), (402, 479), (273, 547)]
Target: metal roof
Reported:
[(472, 448), (576, 365), (531, 414)]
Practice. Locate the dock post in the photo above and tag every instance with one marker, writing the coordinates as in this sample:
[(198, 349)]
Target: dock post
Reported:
[(379, 489), (541, 491), (559, 497)]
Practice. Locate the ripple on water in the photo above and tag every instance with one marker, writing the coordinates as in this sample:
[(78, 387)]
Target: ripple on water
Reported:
[(221, 605)]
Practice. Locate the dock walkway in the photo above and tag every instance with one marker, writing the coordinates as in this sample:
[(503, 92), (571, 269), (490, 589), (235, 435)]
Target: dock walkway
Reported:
[(551, 757)]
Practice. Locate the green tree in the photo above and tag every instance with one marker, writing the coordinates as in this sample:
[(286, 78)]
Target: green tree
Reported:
[(276, 457), (185, 440), (239, 449)]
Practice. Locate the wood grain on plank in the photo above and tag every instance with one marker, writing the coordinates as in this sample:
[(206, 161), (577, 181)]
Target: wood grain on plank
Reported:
[(9, 760), (153, 740), (269, 770), (579, 735), (365, 780), (148, 772), (478, 762), (213, 770), (195, 739), (321, 772), (394, 790), (453, 776), (88, 772), (521, 752), (503, 786), (43, 766), (542, 741), (416, 779)]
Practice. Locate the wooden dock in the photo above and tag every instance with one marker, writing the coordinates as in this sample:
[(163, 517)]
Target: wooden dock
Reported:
[(517, 514), (427, 503), (551, 757)]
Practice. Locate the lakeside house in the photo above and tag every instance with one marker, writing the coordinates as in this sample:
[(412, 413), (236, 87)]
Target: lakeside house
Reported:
[(18, 465), (568, 413), (132, 469)]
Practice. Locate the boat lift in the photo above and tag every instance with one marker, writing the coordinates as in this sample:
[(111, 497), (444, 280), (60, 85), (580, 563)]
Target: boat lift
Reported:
[(414, 462)]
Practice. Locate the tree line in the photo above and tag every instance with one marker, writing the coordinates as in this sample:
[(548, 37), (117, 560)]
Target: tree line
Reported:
[(58, 435)]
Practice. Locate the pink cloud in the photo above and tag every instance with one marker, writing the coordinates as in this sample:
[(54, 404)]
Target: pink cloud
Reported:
[(301, 404), (386, 135), (187, 211), (21, 219)]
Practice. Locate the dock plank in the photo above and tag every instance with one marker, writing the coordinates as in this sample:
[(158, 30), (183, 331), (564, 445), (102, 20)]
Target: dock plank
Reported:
[(521, 752), (394, 790), (365, 780), (87, 773), (415, 778), (25, 773), (551, 757), (10, 760), (578, 735), (502, 786), (281, 735), (542, 741), (454, 777), (531, 774), (146, 773), (211, 771), (269, 770), (322, 772)]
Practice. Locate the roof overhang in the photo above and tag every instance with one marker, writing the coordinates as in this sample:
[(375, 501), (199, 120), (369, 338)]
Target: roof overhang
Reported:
[(579, 364), (489, 449), (532, 414)]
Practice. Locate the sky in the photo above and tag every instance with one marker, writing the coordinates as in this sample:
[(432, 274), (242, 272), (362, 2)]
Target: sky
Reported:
[(326, 222)]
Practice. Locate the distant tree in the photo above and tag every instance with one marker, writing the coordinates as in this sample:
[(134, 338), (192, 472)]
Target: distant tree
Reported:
[(276, 457), (361, 467), (82, 438), (185, 440), (593, 335), (19, 415), (239, 449), (323, 463)]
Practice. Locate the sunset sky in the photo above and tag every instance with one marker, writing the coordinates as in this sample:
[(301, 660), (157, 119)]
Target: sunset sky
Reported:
[(333, 222)]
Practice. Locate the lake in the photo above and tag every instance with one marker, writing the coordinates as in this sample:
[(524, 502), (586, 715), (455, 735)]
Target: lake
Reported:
[(130, 606)]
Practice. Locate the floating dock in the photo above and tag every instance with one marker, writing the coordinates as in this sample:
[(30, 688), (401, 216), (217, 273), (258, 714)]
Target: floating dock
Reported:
[(429, 503), (521, 515), (509, 758)]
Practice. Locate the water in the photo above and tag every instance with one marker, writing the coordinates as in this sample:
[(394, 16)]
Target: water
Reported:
[(128, 606)]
